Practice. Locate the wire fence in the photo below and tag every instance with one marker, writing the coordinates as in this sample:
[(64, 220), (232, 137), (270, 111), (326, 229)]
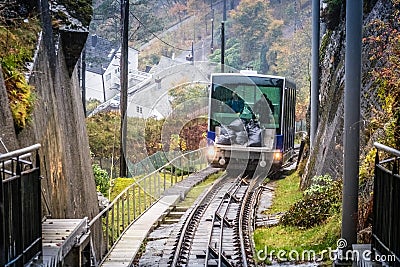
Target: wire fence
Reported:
[(151, 163)]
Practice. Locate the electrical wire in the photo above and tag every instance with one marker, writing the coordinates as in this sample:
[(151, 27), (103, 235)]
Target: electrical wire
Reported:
[(152, 33), (156, 36)]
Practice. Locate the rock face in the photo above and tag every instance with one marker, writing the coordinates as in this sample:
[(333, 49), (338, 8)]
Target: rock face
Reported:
[(327, 157), (58, 124)]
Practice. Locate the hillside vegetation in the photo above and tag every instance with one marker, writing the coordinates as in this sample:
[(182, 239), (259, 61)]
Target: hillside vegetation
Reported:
[(18, 37), (270, 36)]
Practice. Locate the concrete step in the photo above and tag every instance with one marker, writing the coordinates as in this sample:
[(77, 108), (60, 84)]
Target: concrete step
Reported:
[(175, 214), (181, 209), (170, 221)]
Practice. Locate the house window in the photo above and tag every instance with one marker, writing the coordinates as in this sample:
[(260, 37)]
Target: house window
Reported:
[(139, 109), (108, 77)]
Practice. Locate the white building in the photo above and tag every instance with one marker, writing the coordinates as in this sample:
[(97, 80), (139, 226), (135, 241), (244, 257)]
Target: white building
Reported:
[(102, 80)]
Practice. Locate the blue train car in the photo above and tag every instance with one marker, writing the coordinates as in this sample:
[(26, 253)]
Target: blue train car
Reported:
[(251, 120)]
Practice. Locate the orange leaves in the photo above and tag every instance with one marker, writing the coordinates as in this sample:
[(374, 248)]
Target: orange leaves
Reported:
[(178, 9), (384, 54)]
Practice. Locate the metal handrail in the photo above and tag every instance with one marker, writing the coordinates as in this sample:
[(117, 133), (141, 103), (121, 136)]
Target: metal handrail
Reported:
[(387, 149), (20, 189), (118, 214), (16, 153), (137, 183), (385, 230)]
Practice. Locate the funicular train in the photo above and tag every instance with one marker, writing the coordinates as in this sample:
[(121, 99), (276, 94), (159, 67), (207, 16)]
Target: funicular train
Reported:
[(251, 121)]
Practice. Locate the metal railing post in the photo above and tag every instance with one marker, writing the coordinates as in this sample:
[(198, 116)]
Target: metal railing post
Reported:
[(123, 212), (159, 184), (181, 167), (128, 208), (107, 230), (134, 201), (112, 225), (139, 199), (2, 224), (165, 178)]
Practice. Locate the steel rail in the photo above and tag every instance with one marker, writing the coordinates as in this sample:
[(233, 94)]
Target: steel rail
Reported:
[(245, 220), (235, 186), (209, 193), (221, 233)]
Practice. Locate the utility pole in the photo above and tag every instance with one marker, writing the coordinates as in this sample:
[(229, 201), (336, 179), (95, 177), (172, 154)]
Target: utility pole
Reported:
[(223, 46), (354, 13), (102, 82), (124, 84), (314, 70), (192, 53), (223, 38), (224, 12), (83, 77), (212, 31)]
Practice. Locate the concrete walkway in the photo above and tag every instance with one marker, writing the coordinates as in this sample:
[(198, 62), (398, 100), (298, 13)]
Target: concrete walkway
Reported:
[(128, 246)]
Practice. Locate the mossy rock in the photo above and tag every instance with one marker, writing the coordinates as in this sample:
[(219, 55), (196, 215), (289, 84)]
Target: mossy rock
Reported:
[(80, 9)]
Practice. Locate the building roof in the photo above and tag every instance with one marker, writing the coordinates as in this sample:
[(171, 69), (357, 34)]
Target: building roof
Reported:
[(99, 53)]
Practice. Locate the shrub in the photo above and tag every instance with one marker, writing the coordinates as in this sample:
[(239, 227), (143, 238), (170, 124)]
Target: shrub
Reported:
[(319, 202), (319, 184), (21, 97), (101, 178)]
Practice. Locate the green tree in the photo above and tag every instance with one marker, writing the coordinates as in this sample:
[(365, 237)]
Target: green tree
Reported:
[(91, 104), (103, 132), (186, 92), (107, 20), (250, 21), (232, 55)]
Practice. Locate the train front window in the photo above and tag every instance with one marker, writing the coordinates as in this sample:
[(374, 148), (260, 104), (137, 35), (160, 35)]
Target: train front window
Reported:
[(246, 101)]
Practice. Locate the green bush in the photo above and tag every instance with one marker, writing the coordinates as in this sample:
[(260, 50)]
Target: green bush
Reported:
[(319, 202), (319, 184), (102, 179), (178, 171)]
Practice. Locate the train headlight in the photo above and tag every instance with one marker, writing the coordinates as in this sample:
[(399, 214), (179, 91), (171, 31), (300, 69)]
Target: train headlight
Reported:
[(211, 151), (277, 156), (263, 163), (222, 161)]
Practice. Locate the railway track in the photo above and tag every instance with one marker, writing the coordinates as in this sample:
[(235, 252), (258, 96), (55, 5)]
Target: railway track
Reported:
[(217, 231)]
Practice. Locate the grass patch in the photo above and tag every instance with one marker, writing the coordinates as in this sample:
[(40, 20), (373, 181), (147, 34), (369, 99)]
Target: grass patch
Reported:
[(287, 192), (195, 192), (292, 238), (119, 185), (153, 184)]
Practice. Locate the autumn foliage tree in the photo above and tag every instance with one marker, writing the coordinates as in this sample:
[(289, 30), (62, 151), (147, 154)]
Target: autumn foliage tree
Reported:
[(190, 107), (250, 19), (256, 39), (385, 57), (179, 10)]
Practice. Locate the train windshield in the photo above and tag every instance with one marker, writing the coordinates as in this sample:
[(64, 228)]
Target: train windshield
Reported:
[(253, 98)]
